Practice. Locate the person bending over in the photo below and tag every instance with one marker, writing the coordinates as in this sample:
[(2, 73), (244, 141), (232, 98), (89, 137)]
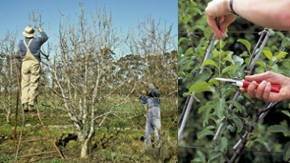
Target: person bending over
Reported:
[(153, 118)]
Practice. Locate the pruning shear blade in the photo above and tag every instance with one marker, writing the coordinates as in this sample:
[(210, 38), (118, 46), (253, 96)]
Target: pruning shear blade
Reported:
[(226, 80)]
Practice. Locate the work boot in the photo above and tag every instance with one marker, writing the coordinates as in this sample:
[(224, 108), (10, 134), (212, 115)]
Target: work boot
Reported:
[(25, 107)]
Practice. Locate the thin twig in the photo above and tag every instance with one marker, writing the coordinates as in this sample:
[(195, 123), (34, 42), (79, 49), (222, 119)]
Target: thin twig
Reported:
[(208, 52), (248, 71), (239, 147), (191, 100)]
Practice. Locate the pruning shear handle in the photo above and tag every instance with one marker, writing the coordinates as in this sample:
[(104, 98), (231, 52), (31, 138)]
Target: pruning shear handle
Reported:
[(274, 87), (245, 84)]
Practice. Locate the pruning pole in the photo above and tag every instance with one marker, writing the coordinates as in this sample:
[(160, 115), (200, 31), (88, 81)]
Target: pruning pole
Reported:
[(188, 108), (240, 145), (23, 118), (48, 134), (183, 110), (191, 97), (18, 76)]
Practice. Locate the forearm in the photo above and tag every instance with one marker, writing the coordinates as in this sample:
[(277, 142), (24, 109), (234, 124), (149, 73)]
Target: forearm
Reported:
[(44, 37), (267, 13)]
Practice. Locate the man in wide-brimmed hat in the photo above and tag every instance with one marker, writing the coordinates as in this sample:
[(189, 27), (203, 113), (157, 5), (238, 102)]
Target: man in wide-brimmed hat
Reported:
[(153, 118), (30, 55)]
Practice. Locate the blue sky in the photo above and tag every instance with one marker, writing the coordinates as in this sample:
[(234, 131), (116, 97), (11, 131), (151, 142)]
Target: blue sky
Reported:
[(127, 14)]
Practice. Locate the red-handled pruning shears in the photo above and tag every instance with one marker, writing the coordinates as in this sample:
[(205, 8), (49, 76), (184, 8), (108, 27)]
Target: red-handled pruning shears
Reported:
[(242, 83)]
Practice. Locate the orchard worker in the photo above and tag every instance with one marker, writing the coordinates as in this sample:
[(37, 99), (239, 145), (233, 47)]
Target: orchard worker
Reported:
[(267, 13), (30, 71), (153, 118)]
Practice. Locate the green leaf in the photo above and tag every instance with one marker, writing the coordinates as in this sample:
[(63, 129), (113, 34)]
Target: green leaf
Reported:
[(209, 128), (246, 43), (207, 33), (224, 144), (266, 145), (188, 51), (204, 133), (182, 39), (238, 122), (259, 70), (268, 53), (204, 107), (227, 53), (249, 144), (263, 64), (286, 113), (220, 107), (209, 62), (275, 68), (213, 82), (281, 55), (277, 129), (213, 156), (237, 105), (286, 63), (198, 87), (215, 53), (201, 156), (238, 60), (198, 160), (230, 128), (221, 44), (229, 68), (206, 114), (244, 55), (286, 152), (228, 58)]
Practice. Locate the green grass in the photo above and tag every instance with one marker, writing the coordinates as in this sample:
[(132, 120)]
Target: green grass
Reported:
[(118, 140)]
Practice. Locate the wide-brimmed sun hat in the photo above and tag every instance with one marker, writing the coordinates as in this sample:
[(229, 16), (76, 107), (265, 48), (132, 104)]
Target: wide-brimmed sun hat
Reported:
[(29, 32)]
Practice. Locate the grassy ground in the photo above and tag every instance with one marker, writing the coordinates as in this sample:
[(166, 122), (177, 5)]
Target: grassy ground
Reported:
[(120, 139)]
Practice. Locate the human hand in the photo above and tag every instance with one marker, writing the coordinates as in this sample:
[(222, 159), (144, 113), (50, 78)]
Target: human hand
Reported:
[(143, 92), (17, 57), (219, 9), (40, 29), (263, 91)]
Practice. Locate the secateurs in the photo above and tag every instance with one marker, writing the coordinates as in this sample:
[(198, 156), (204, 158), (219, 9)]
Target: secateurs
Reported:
[(242, 83)]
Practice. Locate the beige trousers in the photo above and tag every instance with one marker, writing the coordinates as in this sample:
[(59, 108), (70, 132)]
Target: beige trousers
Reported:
[(30, 73)]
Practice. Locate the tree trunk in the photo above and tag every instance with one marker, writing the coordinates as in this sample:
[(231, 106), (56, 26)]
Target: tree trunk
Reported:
[(8, 115), (85, 149)]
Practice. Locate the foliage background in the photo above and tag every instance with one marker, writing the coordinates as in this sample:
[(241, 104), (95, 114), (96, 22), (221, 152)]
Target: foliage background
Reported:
[(270, 139)]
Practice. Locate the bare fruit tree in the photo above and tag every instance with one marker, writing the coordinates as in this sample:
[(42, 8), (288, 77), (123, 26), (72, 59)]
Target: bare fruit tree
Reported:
[(85, 73), (8, 81), (156, 43)]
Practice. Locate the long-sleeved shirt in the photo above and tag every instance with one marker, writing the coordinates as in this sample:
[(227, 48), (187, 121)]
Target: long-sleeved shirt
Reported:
[(152, 99), (34, 46)]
